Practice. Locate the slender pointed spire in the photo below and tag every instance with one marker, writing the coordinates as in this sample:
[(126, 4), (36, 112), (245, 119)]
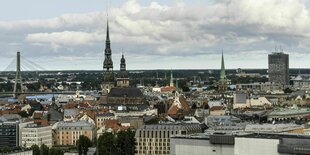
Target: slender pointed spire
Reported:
[(108, 36), (108, 75), (223, 73)]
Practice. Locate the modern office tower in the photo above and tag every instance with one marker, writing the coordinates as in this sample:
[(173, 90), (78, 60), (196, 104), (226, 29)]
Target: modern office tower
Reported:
[(278, 68), (9, 134), (33, 134)]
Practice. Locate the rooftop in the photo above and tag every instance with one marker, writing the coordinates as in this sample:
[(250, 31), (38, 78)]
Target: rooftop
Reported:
[(75, 124), (289, 111), (125, 92)]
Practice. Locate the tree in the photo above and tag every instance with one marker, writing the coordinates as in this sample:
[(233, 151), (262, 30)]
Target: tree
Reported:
[(5, 149), (287, 90), (56, 151), (35, 149), (23, 114), (106, 144), (194, 106), (126, 142), (44, 149), (83, 144)]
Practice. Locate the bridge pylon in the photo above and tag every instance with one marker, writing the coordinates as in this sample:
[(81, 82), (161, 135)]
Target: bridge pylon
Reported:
[(18, 78)]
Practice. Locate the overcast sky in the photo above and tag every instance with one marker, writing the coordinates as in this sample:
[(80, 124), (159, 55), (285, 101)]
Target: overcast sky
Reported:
[(180, 34)]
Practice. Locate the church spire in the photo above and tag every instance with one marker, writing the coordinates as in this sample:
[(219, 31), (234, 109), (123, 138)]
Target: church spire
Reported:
[(223, 79), (123, 63), (108, 64), (108, 74), (223, 73), (108, 35)]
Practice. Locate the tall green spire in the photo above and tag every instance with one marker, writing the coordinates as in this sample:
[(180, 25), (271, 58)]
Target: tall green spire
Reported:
[(223, 73)]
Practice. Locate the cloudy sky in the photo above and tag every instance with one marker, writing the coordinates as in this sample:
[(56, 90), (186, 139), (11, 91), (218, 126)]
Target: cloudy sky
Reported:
[(180, 34)]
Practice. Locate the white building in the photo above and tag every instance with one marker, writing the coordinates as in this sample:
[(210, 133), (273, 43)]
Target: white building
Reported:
[(243, 144), (33, 134), (250, 102)]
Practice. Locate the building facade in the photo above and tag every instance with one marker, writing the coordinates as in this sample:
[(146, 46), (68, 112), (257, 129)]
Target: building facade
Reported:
[(278, 68), (155, 139), (253, 144), (9, 134), (68, 133), (101, 117), (259, 86), (34, 134)]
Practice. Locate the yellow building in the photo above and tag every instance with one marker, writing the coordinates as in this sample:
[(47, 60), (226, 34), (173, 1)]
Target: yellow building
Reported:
[(68, 133)]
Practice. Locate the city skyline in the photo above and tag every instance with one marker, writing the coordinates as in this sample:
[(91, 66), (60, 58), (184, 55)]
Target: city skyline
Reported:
[(155, 34)]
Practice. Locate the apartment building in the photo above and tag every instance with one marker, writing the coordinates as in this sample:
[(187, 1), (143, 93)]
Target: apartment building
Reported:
[(68, 133), (155, 139)]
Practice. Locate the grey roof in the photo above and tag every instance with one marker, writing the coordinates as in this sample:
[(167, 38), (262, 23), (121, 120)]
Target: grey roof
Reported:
[(181, 126), (9, 117), (55, 115), (71, 112), (240, 97), (74, 124), (105, 114), (125, 92)]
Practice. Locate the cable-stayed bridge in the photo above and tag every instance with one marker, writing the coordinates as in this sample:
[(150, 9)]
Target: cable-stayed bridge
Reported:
[(18, 65), (25, 65)]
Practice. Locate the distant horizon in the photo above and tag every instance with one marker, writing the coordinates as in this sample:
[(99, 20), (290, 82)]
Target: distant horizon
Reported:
[(158, 69)]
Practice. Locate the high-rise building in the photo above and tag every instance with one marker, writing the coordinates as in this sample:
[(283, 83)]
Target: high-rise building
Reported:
[(108, 74), (278, 68), (9, 134)]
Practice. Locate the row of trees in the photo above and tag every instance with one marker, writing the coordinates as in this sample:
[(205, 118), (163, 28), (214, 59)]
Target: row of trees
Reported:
[(121, 143), (43, 149), (7, 149)]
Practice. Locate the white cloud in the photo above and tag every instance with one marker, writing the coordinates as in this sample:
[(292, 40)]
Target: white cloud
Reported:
[(65, 38), (179, 29)]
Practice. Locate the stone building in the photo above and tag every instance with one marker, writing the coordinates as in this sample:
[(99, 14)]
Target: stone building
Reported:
[(68, 133)]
